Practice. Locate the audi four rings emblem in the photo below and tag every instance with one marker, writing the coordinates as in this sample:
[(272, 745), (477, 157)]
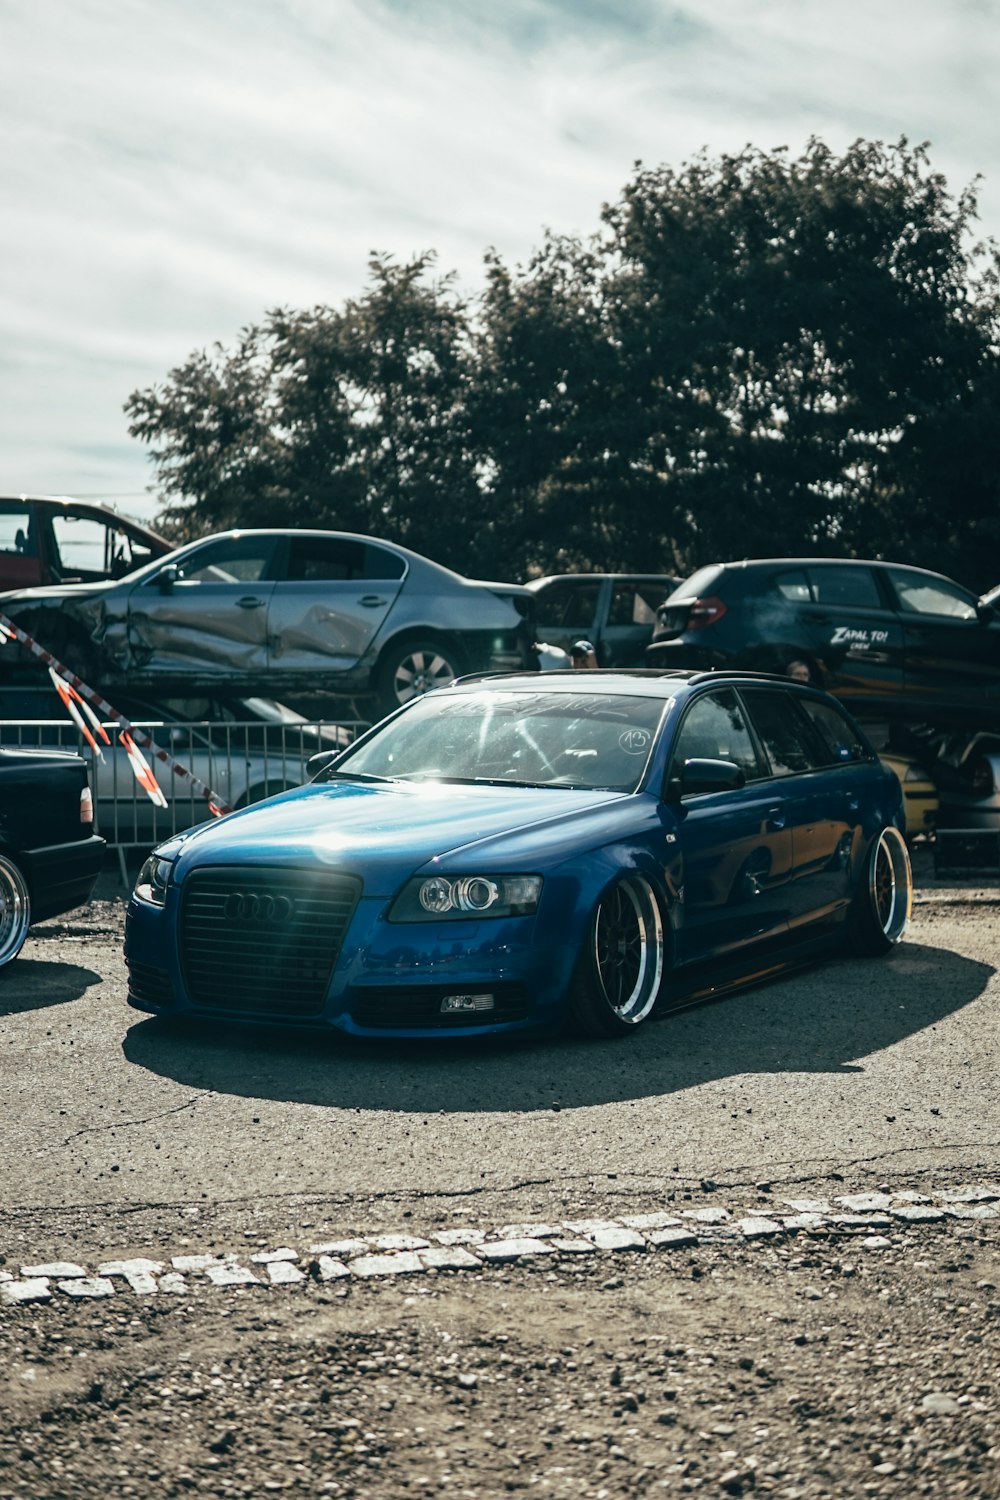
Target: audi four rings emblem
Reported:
[(255, 906)]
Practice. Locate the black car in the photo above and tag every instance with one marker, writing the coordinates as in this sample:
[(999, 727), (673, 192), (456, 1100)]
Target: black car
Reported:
[(614, 611), (884, 637), (50, 856)]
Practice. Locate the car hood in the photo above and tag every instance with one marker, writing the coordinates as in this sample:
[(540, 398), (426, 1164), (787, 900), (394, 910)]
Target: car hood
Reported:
[(386, 831), (56, 593)]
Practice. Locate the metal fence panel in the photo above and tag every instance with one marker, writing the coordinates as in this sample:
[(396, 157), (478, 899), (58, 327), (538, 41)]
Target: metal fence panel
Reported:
[(242, 761)]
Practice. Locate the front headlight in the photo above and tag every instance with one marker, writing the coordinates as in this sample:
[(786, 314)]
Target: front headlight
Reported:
[(438, 898), (153, 879)]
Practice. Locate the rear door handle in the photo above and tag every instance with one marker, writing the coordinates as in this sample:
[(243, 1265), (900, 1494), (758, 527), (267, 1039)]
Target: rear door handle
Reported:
[(371, 601), (249, 601)]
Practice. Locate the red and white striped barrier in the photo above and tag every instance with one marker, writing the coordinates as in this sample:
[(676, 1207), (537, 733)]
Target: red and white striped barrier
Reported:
[(81, 700)]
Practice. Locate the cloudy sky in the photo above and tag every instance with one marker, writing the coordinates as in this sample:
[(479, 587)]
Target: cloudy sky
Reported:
[(170, 169)]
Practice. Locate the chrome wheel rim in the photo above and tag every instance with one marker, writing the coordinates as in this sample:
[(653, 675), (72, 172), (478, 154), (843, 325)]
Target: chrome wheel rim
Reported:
[(419, 672), (628, 949), (891, 884), (15, 910)]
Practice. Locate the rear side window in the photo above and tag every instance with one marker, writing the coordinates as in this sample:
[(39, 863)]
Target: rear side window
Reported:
[(784, 731), (793, 586), (853, 586), (839, 739)]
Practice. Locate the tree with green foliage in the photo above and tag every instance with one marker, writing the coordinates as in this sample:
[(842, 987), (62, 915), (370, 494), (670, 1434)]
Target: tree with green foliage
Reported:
[(352, 419), (756, 354)]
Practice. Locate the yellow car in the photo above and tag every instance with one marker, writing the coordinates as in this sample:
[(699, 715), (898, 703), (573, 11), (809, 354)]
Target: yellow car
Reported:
[(920, 795)]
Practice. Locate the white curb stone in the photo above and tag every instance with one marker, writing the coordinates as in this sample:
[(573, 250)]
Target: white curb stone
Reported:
[(448, 1258), (618, 1239), (399, 1242), (138, 1272), (400, 1262), (672, 1239), (174, 1283), (55, 1269), (228, 1273), (331, 1269), (650, 1221), (36, 1289), (755, 1228), (283, 1273), (342, 1249), (500, 1251), (88, 1286)]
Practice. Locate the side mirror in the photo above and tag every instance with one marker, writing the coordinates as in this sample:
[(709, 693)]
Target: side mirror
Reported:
[(705, 776), (166, 578)]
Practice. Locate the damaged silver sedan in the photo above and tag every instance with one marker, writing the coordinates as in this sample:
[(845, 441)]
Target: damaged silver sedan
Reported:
[(296, 610)]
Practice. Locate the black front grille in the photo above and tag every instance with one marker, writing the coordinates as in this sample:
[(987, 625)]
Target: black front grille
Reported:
[(149, 985), (263, 941), (420, 1005)]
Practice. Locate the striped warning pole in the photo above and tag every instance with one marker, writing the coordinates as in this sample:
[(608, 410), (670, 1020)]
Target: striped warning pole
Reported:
[(128, 735)]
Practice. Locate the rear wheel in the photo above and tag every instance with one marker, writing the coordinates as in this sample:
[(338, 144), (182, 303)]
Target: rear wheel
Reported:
[(15, 910), (411, 668), (880, 913), (620, 970)]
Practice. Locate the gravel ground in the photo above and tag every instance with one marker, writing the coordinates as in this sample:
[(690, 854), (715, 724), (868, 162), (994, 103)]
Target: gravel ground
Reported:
[(823, 1366), (827, 1363)]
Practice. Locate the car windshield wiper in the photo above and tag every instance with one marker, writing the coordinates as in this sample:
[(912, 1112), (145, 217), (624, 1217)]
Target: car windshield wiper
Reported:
[(331, 774)]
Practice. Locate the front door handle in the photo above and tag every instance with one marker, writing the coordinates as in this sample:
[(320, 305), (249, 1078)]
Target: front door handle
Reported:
[(249, 601), (775, 819)]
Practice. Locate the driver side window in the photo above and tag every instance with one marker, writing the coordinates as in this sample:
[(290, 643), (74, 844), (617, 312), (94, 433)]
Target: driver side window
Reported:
[(714, 728), (241, 559)]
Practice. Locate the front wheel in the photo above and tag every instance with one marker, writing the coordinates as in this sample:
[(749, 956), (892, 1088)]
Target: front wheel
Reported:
[(620, 968), (15, 910), (880, 912), (413, 668)]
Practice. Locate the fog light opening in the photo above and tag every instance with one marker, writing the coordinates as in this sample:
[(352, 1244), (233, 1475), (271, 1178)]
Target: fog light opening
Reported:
[(456, 1004)]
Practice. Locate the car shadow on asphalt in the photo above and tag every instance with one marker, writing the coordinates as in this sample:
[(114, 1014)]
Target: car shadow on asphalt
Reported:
[(37, 984), (827, 1019)]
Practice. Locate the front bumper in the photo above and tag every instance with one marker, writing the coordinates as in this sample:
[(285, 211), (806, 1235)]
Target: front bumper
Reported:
[(388, 979)]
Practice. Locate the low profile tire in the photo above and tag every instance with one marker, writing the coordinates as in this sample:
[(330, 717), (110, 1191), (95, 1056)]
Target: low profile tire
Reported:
[(15, 910), (620, 970), (880, 913), (412, 668)]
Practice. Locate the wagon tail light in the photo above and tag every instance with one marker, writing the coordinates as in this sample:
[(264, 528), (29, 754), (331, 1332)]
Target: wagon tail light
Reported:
[(704, 612), (86, 806)]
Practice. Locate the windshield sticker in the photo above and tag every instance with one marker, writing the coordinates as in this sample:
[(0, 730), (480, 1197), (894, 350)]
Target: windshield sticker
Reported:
[(635, 741)]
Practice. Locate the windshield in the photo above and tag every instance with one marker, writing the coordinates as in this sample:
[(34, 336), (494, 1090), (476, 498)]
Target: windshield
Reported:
[(584, 740)]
